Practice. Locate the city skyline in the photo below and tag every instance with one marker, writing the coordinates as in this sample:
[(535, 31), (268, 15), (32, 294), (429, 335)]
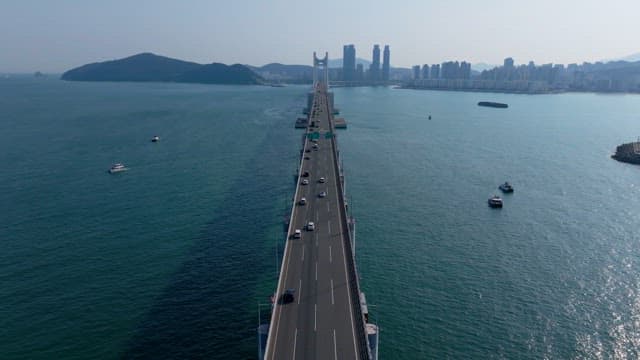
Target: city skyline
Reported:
[(53, 37)]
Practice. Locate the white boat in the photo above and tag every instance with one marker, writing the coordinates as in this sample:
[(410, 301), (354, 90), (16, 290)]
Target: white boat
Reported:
[(155, 138), (495, 201), (116, 168)]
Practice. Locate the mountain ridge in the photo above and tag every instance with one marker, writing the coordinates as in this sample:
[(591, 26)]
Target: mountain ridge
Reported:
[(149, 67)]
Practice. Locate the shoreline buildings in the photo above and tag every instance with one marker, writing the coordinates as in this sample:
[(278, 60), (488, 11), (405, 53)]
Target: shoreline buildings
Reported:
[(616, 76)]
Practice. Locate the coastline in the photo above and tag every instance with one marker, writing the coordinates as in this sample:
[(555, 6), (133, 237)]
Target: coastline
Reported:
[(503, 91)]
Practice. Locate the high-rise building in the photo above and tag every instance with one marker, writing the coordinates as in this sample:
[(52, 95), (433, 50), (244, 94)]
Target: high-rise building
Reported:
[(435, 71), (386, 63), (348, 63), (416, 72), (450, 70), (508, 62), (465, 70), (425, 71), (374, 69)]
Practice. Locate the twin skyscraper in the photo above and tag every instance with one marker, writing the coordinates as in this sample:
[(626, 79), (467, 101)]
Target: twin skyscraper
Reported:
[(353, 72)]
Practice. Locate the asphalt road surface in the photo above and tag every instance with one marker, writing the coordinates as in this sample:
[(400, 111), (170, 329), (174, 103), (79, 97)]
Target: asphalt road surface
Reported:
[(319, 322)]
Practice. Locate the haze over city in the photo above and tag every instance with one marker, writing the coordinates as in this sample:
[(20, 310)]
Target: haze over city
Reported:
[(55, 36)]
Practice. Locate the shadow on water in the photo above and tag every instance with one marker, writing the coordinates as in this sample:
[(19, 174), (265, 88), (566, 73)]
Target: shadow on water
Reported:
[(209, 308)]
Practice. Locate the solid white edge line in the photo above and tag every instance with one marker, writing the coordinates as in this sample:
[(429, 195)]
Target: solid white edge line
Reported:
[(277, 313), (315, 317), (346, 272), (335, 346)]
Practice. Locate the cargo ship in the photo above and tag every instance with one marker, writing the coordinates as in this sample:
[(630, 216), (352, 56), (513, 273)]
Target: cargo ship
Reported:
[(493, 104)]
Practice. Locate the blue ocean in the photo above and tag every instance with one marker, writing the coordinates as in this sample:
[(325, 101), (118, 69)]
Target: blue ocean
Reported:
[(172, 258)]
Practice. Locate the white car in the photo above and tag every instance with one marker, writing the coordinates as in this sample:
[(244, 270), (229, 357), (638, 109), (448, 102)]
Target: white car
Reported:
[(311, 226), (302, 201), (297, 234), (322, 194), (321, 180), (305, 182)]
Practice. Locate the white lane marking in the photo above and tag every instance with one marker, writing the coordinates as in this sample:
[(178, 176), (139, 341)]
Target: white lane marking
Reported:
[(328, 208), (335, 346), (316, 239), (295, 341), (302, 253), (299, 291), (333, 302), (315, 317), (330, 257), (316, 271), (329, 226)]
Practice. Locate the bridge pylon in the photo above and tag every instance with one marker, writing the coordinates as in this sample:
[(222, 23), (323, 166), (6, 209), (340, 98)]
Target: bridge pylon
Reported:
[(321, 64)]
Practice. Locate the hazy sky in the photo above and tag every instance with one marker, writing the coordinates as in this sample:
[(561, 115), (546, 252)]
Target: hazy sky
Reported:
[(55, 35)]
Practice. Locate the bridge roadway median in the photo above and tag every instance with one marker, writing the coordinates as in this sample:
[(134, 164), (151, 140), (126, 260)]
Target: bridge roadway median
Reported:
[(324, 320)]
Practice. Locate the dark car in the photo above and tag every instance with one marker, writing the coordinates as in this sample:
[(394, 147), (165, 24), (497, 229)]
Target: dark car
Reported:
[(305, 174), (288, 296)]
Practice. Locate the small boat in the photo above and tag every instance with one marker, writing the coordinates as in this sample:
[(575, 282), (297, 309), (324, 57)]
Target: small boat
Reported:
[(429, 117), (495, 201), (493, 104), (155, 138), (506, 187), (116, 168)]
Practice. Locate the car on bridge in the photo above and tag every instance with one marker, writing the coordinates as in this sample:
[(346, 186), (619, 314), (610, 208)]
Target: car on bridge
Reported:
[(288, 296), (297, 234), (322, 194), (311, 226), (303, 201), (321, 180)]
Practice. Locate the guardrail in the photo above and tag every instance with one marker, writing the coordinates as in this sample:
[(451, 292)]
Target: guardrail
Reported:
[(363, 340), (286, 246)]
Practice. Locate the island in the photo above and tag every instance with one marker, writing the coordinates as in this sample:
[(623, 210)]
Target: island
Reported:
[(155, 68), (628, 153)]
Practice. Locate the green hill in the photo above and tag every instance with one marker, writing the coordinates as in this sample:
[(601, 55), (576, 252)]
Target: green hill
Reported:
[(220, 74), (151, 67)]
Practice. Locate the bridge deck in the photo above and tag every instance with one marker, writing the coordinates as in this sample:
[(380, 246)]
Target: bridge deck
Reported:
[(320, 323)]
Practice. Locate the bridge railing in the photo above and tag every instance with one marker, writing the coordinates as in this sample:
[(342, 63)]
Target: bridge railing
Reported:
[(361, 332), (279, 289)]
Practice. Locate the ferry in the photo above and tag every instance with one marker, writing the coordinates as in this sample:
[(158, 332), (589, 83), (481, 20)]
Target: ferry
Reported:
[(495, 201), (116, 168)]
